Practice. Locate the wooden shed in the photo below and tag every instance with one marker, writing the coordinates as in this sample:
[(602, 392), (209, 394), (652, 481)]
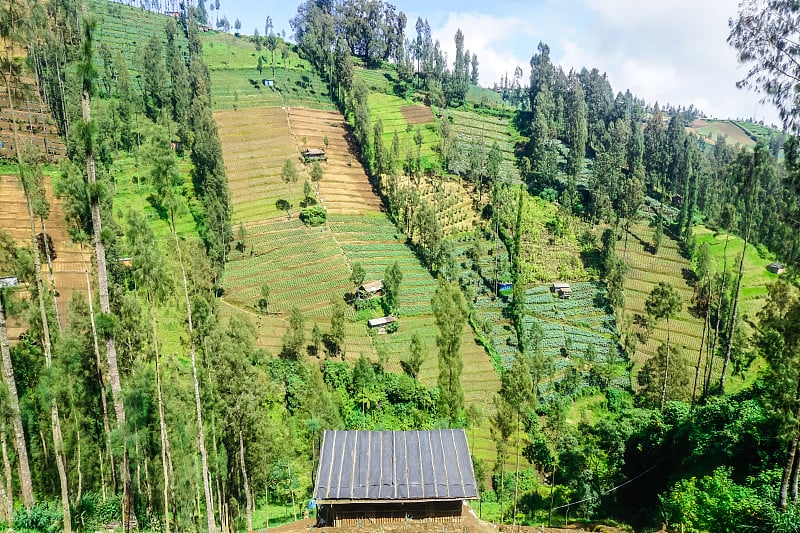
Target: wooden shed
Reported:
[(561, 289), (378, 477), (776, 268), (370, 289)]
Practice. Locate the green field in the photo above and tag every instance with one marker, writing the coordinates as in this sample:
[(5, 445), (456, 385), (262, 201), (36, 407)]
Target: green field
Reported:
[(755, 276), (236, 82), (115, 31)]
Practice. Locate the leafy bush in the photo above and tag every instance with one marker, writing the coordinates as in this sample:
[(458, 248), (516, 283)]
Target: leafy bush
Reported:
[(314, 216), (391, 327), (43, 516)]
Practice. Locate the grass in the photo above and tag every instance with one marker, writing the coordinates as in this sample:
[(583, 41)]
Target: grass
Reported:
[(236, 82), (755, 276), (115, 30)]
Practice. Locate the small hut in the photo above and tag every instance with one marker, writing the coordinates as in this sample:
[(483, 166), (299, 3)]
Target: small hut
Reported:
[(381, 477), (381, 323), (776, 268), (370, 289), (561, 289), (8, 281), (314, 154)]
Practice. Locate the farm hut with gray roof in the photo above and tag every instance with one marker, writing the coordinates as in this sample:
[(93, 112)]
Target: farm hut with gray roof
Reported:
[(378, 477)]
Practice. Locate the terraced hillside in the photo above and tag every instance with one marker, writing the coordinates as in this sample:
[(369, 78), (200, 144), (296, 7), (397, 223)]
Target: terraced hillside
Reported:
[(31, 116), (255, 145), (645, 270), (307, 267), (70, 263), (345, 188), (471, 129), (236, 82), (115, 31)]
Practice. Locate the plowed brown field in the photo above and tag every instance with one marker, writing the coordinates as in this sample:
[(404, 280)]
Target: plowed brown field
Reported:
[(417, 114), (70, 263), (344, 188)]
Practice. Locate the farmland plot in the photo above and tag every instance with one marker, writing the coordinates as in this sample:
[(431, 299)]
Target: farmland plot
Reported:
[(70, 263), (645, 270), (344, 188), (255, 145)]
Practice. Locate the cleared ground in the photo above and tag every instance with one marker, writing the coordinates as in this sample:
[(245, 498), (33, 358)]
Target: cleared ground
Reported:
[(70, 264), (344, 188)]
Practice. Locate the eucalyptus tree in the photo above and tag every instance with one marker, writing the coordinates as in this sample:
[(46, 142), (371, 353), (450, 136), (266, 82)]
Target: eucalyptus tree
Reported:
[(33, 187), (517, 391), (779, 340), (450, 312), (662, 303), (165, 177), (18, 262), (750, 170), (31, 179), (765, 35), (86, 134), (151, 276)]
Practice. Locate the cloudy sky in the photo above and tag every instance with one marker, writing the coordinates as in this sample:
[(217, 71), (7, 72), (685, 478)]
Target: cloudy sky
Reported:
[(670, 51)]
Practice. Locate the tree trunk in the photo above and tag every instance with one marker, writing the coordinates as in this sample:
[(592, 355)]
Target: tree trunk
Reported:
[(128, 516), (516, 478), (79, 492), (247, 495), (707, 387), (666, 371), (50, 272), (26, 486), (729, 348), (162, 424), (102, 379), (8, 476), (201, 438), (55, 422), (6, 512), (793, 483), (19, 438), (700, 356), (783, 495)]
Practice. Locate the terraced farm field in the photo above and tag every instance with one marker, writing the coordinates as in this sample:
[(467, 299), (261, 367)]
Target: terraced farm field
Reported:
[(390, 110), (483, 130), (255, 145), (236, 82), (547, 256), (306, 267), (70, 263), (755, 276), (645, 270), (114, 29), (344, 188)]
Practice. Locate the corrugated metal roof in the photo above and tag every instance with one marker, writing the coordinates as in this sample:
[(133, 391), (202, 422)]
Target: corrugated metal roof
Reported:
[(395, 465)]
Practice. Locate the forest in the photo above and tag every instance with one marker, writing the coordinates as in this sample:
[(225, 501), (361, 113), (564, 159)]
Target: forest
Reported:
[(185, 272)]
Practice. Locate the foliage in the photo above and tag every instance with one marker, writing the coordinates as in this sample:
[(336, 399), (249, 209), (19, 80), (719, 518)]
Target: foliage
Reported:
[(314, 216)]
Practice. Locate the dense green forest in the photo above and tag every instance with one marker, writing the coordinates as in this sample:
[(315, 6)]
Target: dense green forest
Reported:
[(145, 392)]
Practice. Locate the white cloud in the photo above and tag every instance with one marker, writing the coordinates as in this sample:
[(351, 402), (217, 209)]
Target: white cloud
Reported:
[(492, 38), (671, 52)]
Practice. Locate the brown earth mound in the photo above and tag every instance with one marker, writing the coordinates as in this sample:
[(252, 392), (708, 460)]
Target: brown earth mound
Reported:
[(417, 114)]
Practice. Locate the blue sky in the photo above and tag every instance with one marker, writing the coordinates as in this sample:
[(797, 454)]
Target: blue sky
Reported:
[(670, 51)]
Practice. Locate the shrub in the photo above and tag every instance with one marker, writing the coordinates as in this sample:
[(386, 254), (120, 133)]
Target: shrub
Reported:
[(314, 216)]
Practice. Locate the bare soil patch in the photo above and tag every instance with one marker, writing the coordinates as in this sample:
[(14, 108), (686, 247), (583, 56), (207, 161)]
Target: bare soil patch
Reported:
[(417, 114), (344, 188), (69, 263)]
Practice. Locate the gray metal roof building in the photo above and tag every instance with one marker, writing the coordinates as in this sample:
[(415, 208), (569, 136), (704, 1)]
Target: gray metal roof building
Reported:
[(395, 465)]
